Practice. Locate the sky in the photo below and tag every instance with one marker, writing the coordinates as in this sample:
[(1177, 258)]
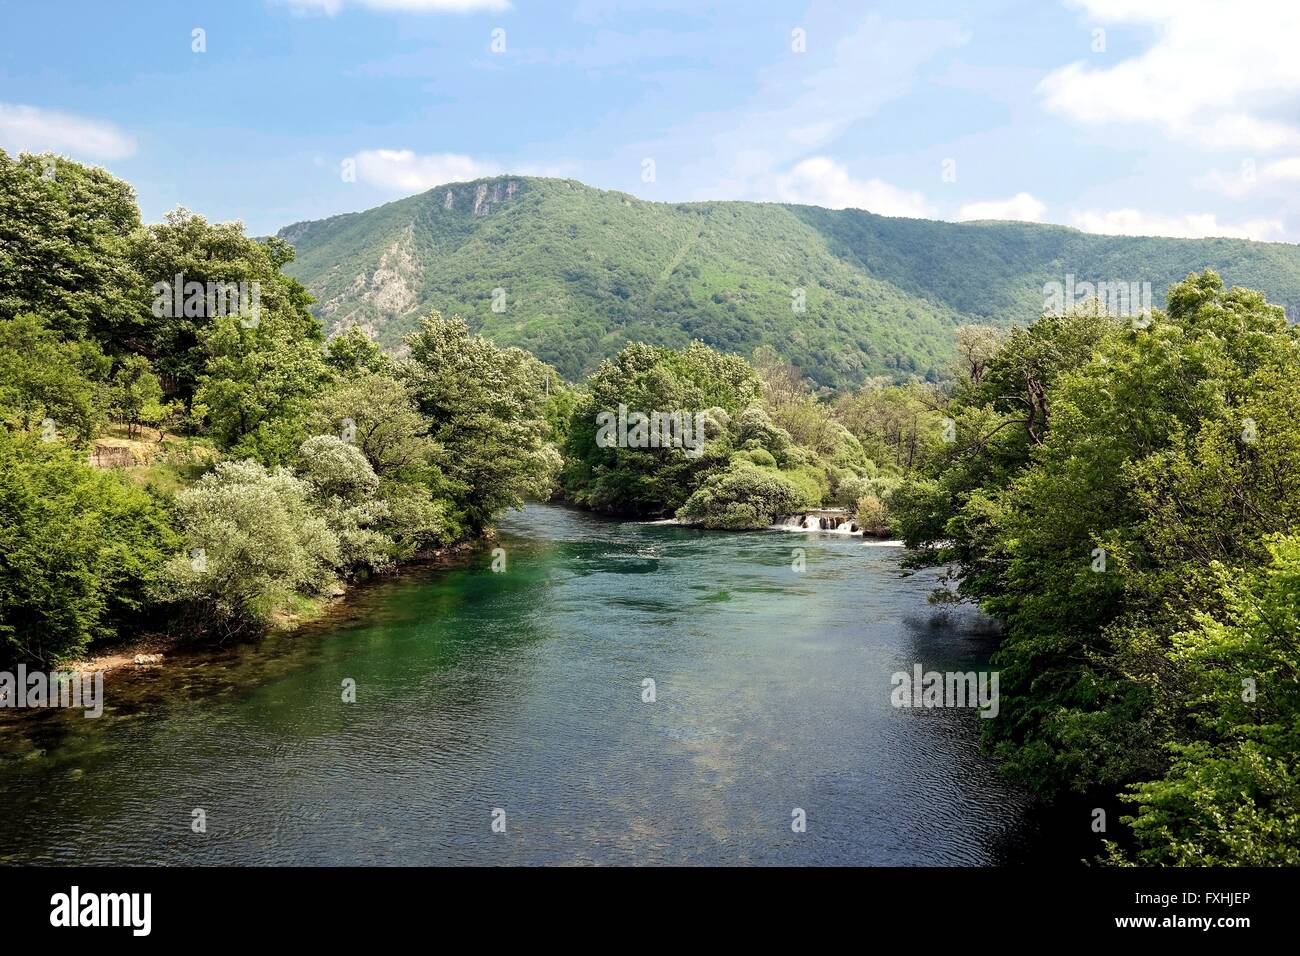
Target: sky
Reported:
[(1139, 117)]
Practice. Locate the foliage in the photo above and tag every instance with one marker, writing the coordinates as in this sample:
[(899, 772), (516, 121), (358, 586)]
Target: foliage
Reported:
[(43, 376), (253, 541), (183, 347), (256, 384), (379, 412), (1232, 798), (1105, 477), (486, 408), (136, 393), (702, 385), (78, 550), (65, 247), (743, 496)]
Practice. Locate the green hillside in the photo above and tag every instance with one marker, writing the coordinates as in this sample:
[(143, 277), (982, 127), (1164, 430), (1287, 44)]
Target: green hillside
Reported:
[(585, 271)]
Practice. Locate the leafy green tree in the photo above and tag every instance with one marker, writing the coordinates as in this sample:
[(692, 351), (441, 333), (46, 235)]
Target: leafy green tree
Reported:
[(345, 491), (182, 345), (486, 407), (257, 384), (65, 248), (136, 393), (378, 412), (654, 481), (79, 549), (1232, 797), (43, 376), (899, 427), (353, 352), (1100, 469), (742, 497)]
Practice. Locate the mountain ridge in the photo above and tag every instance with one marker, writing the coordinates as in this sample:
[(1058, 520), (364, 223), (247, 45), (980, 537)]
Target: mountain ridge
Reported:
[(573, 273)]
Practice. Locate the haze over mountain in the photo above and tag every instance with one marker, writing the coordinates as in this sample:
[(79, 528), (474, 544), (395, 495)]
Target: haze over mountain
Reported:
[(574, 273)]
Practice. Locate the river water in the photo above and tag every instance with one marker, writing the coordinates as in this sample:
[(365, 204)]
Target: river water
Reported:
[(517, 697)]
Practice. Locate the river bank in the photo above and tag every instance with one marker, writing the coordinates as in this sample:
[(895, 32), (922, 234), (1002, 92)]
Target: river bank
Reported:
[(134, 655)]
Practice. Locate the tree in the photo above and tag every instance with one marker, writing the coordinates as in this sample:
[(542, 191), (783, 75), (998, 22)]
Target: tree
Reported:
[(181, 342), (742, 497), (353, 351), (378, 412), (1100, 470), (1231, 798), (345, 491), (257, 382), (487, 412), (976, 346), (654, 482), (136, 394), (65, 237), (42, 377)]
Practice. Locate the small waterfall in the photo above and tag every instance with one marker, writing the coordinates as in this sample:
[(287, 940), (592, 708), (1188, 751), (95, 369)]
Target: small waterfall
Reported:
[(832, 522)]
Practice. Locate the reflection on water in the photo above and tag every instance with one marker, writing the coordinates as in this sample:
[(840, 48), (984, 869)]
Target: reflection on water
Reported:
[(523, 691)]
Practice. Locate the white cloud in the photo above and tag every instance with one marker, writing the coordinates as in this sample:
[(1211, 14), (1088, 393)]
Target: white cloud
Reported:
[(1222, 74), (404, 171), (1251, 176), (1021, 206), (36, 130), (820, 181), (1131, 222), (331, 8)]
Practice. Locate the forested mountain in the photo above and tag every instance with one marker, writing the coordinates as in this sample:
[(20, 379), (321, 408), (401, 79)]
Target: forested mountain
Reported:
[(576, 273)]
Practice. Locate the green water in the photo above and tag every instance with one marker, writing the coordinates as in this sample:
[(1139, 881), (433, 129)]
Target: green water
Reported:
[(522, 691)]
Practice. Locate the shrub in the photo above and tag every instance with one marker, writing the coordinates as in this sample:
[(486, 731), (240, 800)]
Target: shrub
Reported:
[(741, 497), (78, 549), (254, 543), (873, 517), (757, 456)]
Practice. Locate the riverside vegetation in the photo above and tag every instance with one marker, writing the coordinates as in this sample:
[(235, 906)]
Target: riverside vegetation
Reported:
[(1121, 495)]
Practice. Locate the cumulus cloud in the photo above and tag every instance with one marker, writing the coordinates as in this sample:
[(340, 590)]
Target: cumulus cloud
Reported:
[(405, 171), (820, 181), (1021, 206), (1131, 222), (331, 8), (36, 130), (1221, 73)]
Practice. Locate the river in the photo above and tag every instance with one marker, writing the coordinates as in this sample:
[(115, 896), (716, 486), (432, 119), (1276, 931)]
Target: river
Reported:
[(517, 697)]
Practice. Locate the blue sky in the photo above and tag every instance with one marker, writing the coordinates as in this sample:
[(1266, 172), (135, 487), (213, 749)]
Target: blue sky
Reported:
[(1160, 117)]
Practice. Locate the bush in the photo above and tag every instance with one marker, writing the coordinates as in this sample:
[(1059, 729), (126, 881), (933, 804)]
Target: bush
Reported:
[(754, 429), (741, 497), (254, 544), (873, 517), (78, 548), (757, 456), (345, 488), (850, 490), (337, 469)]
